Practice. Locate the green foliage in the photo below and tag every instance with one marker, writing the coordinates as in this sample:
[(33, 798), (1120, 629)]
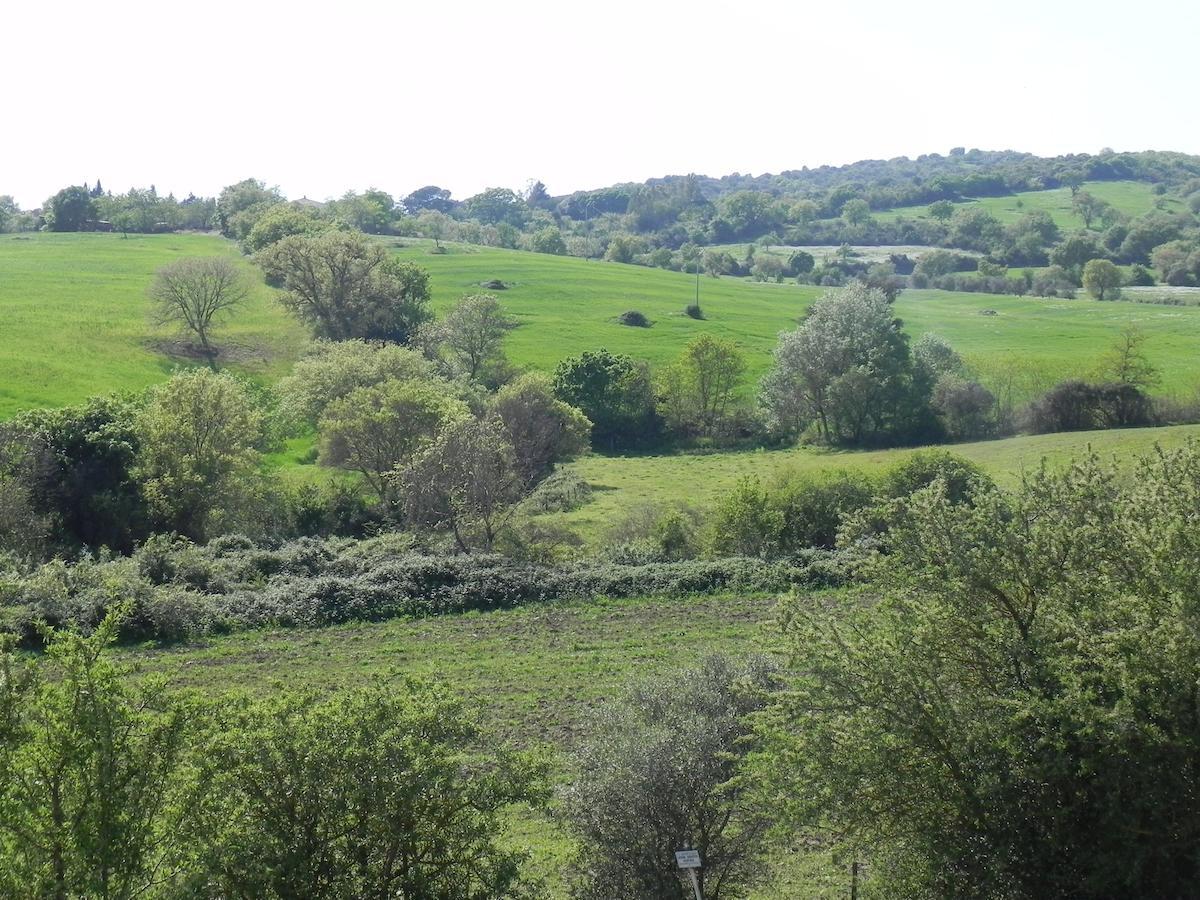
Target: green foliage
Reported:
[(1102, 279), (84, 481), (548, 240), (614, 393), (541, 429), (241, 205), (331, 370), (847, 373), (95, 797), (198, 462), (345, 286), (371, 794), (71, 209), (654, 776), (375, 430), (472, 334), (697, 390), (745, 522), (1010, 712), (278, 222)]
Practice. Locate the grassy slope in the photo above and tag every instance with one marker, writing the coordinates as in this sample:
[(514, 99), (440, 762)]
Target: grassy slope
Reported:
[(566, 306), (75, 317), (1130, 197), (623, 483)]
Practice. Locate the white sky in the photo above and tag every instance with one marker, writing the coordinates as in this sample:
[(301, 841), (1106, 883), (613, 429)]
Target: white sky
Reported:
[(323, 97)]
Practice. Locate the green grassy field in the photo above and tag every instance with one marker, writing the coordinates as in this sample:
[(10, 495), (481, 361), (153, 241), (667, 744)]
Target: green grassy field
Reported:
[(566, 306), (622, 484), (76, 323), (1133, 198), (533, 673), (75, 317)]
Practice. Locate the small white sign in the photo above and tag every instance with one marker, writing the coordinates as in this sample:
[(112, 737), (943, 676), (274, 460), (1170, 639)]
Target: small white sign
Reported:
[(688, 859)]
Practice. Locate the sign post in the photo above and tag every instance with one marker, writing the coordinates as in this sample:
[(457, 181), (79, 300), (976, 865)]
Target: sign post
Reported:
[(690, 860)]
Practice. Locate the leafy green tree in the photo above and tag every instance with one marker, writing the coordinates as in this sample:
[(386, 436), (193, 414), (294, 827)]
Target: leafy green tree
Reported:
[(345, 286), (96, 797), (697, 389), (496, 205), (941, 210), (70, 209), (1102, 279), (377, 430), (467, 480), (84, 478), (429, 197), (371, 794), (1010, 710), (548, 240), (745, 522), (472, 333), (541, 429), (194, 294), (1127, 363), (655, 774), (615, 394), (331, 370), (856, 212), (240, 205), (198, 460), (280, 221), (847, 373), (371, 211)]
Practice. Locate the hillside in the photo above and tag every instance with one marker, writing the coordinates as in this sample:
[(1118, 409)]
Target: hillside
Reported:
[(76, 316), (1132, 198)]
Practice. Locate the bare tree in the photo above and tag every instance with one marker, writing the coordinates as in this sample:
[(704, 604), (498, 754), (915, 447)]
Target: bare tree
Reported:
[(194, 293)]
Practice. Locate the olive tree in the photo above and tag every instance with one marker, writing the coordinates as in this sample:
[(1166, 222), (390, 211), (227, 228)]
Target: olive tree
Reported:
[(193, 294)]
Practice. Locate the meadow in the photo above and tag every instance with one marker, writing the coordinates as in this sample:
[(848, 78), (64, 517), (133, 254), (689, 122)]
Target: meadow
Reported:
[(1134, 198), (76, 321), (75, 317), (620, 485)]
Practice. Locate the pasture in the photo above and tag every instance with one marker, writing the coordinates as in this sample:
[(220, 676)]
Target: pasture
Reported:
[(74, 317), (620, 485), (1133, 198), (533, 673)]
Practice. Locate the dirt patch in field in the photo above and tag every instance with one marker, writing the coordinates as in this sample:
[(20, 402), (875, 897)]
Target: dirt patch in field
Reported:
[(227, 352)]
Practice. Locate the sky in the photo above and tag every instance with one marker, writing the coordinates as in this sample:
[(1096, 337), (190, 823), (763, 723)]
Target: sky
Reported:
[(321, 98)]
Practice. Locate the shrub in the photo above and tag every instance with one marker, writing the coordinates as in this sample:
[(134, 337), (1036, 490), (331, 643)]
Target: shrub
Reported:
[(693, 311), (634, 319)]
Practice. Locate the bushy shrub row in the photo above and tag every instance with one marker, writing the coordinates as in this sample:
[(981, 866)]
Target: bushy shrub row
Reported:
[(180, 591)]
